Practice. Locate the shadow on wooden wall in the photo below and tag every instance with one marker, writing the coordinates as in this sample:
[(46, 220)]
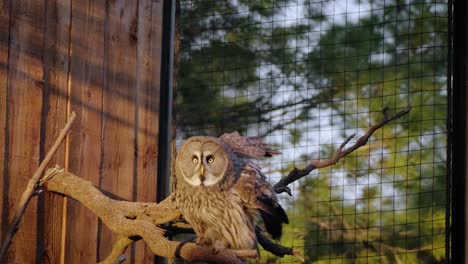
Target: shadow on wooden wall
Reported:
[(100, 59)]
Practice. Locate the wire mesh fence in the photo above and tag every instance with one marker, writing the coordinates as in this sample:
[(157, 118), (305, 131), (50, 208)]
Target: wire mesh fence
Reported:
[(308, 74)]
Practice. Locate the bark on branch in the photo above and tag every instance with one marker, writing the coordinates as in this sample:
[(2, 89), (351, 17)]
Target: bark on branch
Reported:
[(130, 220)]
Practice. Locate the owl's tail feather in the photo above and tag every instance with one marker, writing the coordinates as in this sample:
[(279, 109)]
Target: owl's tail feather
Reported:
[(273, 216)]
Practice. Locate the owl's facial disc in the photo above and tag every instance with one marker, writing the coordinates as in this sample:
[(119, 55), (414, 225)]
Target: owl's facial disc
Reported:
[(203, 163)]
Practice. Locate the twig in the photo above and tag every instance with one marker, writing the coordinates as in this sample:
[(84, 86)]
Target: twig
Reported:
[(118, 249), (49, 174), (296, 174), (31, 188)]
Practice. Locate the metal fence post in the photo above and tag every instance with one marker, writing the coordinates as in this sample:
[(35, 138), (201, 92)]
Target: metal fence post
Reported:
[(458, 133)]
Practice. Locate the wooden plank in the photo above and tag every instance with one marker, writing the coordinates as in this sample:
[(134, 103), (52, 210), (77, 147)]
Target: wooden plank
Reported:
[(56, 51), (4, 43), (25, 84), (86, 78), (118, 171), (149, 59)]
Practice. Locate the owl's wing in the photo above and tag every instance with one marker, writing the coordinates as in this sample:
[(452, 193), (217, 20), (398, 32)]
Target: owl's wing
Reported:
[(252, 147), (257, 195)]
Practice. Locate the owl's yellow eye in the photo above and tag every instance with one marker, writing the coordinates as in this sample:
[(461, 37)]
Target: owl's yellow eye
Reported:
[(210, 159), (194, 160)]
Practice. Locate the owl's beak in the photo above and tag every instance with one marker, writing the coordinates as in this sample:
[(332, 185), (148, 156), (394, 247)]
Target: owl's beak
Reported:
[(202, 170), (202, 174)]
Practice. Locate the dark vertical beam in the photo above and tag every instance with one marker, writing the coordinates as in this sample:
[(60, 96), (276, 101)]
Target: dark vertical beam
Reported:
[(5, 25), (458, 132), (165, 106), (165, 120)]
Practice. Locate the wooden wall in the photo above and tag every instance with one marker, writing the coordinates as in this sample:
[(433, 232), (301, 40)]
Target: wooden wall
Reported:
[(100, 59)]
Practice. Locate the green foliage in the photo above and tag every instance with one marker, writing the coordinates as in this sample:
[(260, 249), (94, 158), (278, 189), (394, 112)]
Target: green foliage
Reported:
[(243, 67)]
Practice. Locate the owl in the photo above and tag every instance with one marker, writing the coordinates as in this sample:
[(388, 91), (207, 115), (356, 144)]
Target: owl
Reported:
[(222, 193)]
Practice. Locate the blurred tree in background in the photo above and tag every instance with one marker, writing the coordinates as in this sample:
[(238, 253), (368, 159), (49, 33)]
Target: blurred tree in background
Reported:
[(294, 69)]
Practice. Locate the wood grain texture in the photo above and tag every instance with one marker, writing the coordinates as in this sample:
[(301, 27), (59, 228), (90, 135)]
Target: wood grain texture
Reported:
[(86, 77), (118, 164), (100, 59), (25, 84), (56, 66), (4, 43), (147, 115)]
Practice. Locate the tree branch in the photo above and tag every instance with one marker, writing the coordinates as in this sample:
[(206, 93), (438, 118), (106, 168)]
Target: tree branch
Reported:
[(130, 220), (32, 188), (118, 250), (296, 174)]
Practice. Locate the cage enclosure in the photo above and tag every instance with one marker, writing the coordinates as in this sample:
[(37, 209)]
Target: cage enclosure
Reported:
[(308, 74)]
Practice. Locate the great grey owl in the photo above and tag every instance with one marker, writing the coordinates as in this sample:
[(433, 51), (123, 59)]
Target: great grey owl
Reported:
[(220, 191)]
